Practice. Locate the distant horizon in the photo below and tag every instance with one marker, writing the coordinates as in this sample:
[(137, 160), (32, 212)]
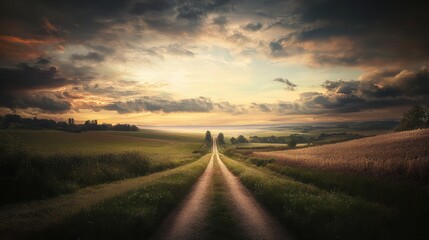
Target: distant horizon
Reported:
[(247, 127)]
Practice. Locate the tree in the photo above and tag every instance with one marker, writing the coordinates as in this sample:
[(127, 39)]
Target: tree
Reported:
[(292, 141), (220, 138), (416, 117), (241, 139), (208, 136), (233, 140)]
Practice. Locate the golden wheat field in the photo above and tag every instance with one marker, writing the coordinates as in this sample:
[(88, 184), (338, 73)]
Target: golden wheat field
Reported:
[(401, 156)]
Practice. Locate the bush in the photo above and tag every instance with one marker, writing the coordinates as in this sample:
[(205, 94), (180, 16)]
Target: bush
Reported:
[(260, 161), (292, 141)]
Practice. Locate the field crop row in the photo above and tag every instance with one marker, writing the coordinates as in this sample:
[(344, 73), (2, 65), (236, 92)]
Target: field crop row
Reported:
[(402, 157)]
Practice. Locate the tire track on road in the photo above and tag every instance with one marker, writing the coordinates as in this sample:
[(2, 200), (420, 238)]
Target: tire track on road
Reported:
[(188, 220), (254, 220)]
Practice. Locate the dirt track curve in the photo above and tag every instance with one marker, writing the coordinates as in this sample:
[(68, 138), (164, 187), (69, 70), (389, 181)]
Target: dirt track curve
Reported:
[(188, 220)]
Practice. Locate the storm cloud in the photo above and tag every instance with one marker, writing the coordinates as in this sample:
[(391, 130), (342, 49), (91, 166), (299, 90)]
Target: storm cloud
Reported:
[(27, 77), (47, 102), (253, 26), (365, 32), (382, 89), (22, 86)]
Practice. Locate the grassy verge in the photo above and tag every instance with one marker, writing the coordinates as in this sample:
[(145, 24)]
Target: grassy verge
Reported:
[(313, 213), (27, 175), (409, 201), (134, 215), (221, 223)]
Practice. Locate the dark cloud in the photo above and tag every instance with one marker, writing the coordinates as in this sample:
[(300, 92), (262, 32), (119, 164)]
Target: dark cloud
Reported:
[(77, 20), (91, 57), (285, 46), (373, 32), (289, 85), (408, 83), (152, 5), (26, 86), (195, 11), (340, 86), (276, 47), (378, 90), (376, 31), (157, 104), (404, 88), (46, 102), (43, 61), (27, 77), (221, 21), (71, 96), (253, 27)]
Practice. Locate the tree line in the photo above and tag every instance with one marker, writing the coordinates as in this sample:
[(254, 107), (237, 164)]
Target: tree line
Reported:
[(16, 121)]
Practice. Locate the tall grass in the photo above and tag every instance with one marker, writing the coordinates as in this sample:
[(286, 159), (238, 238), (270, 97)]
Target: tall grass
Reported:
[(26, 175), (408, 200), (313, 213), (134, 215)]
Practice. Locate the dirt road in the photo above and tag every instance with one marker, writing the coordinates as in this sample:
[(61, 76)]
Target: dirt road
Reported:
[(187, 221)]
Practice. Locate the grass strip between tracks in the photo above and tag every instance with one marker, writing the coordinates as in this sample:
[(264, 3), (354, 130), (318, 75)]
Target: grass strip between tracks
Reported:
[(221, 223)]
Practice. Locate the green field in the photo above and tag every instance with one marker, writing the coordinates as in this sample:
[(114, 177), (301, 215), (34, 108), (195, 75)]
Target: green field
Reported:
[(46, 163), (134, 215), (148, 141)]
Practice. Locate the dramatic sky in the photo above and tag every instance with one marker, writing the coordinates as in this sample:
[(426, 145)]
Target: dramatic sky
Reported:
[(190, 62)]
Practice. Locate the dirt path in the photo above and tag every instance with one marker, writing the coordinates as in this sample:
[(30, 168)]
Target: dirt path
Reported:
[(187, 221), (255, 221), (19, 218)]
